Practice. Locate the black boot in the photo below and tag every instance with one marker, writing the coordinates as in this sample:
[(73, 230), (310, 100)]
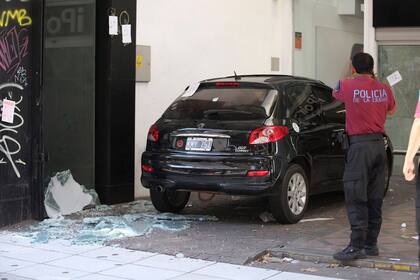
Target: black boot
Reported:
[(372, 250), (350, 253)]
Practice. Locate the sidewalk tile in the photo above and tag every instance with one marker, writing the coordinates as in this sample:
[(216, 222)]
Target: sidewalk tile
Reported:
[(174, 263), (65, 246), (12, 277), (298, 276), (84, 264), (11, 238), (35, 255), (236, 272), (47, 272), (118, 254), (138, 272), (10, 248), (193, 276), (7, 264), (100, 277)]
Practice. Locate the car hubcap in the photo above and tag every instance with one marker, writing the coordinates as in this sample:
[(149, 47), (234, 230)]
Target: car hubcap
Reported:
[(296, 194)]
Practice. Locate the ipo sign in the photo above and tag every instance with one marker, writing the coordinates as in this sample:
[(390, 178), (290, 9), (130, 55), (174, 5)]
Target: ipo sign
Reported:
[(64, 19), (69, 24)]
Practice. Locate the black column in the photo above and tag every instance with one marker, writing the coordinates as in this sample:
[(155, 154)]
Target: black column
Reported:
[(115, 104)]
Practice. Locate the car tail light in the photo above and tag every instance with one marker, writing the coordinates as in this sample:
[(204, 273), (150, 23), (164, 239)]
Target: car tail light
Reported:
[(258, 173), (147, 168), (267, 134), (153, 134), (227, 84)]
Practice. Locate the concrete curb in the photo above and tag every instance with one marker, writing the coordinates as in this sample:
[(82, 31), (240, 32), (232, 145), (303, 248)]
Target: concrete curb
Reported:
[(375, 263), (257, 257), (366, 263)]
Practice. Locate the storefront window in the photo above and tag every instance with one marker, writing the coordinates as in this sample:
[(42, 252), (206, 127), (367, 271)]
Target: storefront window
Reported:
[(405, 59)]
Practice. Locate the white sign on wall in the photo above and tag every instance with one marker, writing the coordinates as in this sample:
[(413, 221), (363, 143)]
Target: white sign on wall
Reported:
[(8, 111), (126, 33), (113, 25)]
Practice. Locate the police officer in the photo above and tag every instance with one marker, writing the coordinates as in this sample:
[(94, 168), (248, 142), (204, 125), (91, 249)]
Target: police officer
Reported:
[(367, 103)]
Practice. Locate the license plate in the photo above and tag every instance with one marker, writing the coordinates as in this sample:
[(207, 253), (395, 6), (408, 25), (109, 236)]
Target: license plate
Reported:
[(199, 144)]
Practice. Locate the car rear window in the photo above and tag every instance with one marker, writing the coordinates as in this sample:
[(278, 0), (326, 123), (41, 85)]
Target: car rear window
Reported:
[(231, 103)]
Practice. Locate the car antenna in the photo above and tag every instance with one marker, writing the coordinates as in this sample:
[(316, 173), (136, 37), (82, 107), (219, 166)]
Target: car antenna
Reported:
[(237, 78)]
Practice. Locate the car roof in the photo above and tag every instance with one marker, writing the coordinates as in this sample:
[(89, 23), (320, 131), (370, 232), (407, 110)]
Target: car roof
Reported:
[(269, 79)]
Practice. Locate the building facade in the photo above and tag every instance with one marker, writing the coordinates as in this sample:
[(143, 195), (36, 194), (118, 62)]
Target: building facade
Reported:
[(195, 40), (67, 99), (78, 107)]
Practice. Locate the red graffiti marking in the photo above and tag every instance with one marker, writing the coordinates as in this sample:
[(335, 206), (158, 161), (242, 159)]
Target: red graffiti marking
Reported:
[(13, 48)]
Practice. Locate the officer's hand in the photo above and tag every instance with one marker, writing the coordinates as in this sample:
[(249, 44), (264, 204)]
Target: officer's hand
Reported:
[(408, 170)]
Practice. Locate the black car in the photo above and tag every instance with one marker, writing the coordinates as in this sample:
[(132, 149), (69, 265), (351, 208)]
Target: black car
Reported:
[(268, 135)]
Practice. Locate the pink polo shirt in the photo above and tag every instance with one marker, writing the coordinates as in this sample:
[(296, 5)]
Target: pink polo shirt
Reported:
[(367, 102)]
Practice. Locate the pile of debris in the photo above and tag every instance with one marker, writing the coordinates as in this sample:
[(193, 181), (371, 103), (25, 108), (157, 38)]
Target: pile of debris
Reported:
[(76, 215)]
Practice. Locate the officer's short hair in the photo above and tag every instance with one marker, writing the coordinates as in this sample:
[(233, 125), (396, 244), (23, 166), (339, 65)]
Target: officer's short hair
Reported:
[(363, 63)]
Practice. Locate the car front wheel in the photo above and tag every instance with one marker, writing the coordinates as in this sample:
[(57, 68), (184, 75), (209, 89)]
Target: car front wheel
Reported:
[(290, 204), (169, 200)]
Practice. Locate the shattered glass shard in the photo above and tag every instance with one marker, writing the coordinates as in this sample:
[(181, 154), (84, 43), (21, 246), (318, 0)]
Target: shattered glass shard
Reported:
[(106, 223), (171, 225), (63, 177), (65, 196)]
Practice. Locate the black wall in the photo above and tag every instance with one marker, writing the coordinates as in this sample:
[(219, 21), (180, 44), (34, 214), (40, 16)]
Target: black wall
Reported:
[(392, 13), (115, 106), (20, 54)]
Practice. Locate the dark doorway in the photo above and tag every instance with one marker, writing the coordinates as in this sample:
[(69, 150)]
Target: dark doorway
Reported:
[(69, 89)]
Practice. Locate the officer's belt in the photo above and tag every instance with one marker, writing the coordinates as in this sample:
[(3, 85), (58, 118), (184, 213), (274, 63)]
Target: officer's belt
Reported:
[(366, 137)]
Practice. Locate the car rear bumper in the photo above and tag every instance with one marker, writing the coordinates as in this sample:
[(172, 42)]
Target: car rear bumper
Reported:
[(215, 173)]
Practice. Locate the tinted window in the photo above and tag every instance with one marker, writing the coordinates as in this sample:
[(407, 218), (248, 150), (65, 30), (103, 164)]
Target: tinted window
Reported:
[(224, 103), (304, 105), (332, 109)]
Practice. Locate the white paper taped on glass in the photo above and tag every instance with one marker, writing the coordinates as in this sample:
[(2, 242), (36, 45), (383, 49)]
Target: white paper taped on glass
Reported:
[(394, 78)]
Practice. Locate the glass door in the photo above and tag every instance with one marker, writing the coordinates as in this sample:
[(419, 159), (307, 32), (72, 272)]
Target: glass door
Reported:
[(405, 59), (69, 89)]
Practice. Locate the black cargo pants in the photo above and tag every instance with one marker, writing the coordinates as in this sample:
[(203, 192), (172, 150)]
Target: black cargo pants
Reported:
[(364, 187)]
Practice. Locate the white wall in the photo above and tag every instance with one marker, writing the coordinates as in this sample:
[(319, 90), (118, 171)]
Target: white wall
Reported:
[(314, 18), (193, 40), (370, 44)]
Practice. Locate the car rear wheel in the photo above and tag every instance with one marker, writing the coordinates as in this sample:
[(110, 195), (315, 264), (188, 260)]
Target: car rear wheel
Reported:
[(290, 205), (169, 200)]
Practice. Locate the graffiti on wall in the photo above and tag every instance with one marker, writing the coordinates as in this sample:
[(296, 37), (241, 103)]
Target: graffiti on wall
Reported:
[(15, 73), (19, 16), (13, 49)]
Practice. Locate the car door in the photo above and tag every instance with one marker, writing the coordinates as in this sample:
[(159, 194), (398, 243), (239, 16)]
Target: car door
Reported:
[(333, 114), (308, 130)]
